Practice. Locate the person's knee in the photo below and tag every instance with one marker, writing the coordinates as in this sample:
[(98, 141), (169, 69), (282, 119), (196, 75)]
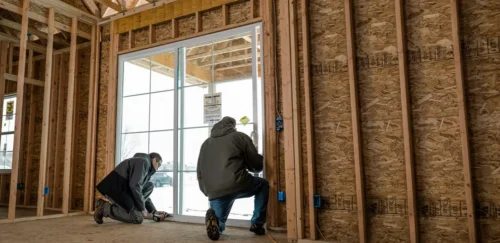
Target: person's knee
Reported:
[(137, 218)]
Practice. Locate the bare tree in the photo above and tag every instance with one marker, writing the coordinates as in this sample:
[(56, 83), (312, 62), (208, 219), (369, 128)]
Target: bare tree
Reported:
[(128, 145)]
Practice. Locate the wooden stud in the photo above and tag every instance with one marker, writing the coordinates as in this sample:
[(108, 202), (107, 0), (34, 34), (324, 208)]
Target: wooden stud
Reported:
[(271, 155), (68, 145), (462, 113), (286, 77), (199, 22), (89, 159), (3, 185), (19, 111), (51, 156), (175, 28), (93, 154), (131, 39), (3, 68), (311, 169), (297, 145), (353, 84), (112, 99), (46, 115), (225, 14), (75, 136), (31, 135), (406, 112), (10, 58), (152, 34), (56, 196), (253, 9)]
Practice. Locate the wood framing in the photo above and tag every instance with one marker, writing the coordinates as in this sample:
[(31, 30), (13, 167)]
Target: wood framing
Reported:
[(271, 155), (311, 169), (225, 14), (56, 195), (31, 134), (69, 10), (70, 109), (3, 68), (15, 40), (10, 58), (286, 85), (91, 123), (407, 124), (58, 52), (42, 19), (17, 26), (12, 77), (462, 114), (112, 99), (152, 35), (175, 28), (51, 149), (19, 111), (92, 7), (199, 22), (356, 128), (297, 145), (110, 4)]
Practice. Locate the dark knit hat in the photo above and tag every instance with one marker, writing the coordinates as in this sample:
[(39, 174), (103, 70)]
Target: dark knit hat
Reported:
[(155, 156)]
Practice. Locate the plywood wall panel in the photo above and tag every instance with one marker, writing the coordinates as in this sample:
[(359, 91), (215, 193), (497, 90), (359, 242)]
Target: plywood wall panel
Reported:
[(212, 19), (141, 37), (163, 31), (239, 12), (480, 33), (187, 25)]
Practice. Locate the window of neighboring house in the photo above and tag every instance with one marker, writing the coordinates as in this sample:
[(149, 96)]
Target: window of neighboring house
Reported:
[(7, 133)]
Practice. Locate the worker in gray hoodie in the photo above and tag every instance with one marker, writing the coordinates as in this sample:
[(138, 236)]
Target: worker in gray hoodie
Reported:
[(226, 159)]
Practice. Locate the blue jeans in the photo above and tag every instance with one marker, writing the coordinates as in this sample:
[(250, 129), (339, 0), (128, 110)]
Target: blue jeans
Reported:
[(259, 188)]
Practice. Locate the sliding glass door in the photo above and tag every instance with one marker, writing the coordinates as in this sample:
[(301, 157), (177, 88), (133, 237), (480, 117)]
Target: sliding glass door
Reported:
[(169, 99)]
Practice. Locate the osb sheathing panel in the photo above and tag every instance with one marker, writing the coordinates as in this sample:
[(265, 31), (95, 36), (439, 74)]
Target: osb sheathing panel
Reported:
[(212, 19), (380, 111), (102, 113), (332, 121), (141, 37), (186, 25), (163, 31), (124, 41), (480, 34), (239, 12), (81, 131), (436, 131)]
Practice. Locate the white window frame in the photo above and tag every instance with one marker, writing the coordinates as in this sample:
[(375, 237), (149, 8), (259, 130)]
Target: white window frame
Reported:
[(175, 48), (6, 171)]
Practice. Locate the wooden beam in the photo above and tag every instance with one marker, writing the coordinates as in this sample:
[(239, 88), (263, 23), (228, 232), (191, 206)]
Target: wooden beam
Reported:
[(193, 70), (253, 9), (311, 168), (15, 40), (131, 39), (211, 31), (19, 111), (175, 28), (3, 186), (112, 99), (60, 124), (199, 22), (46, 114), (229, 49), (152, 34), (133, 11), (31, 135), (76, 124), (69, 10), (41, 34), (287, 93), (110, 4), (12, 77), (68, 145), (92, 7), (89, 159), (225, 14), (42, 19), (93, 151), (10, 59), (462, 114), (51, 156), (407, 127), (297, 145), (353, 84)]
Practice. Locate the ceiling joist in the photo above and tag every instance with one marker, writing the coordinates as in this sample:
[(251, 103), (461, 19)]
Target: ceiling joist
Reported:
[(15, 40), (92, 7), (40, 34), (110, 4), (69, 10)]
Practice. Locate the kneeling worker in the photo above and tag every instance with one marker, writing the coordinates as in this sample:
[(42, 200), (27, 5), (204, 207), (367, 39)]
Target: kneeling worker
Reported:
[(127, 189), (223, 175)]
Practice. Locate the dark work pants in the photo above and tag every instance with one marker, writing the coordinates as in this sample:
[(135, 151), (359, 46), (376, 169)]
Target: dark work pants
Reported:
[(259, 188), (114, 211)]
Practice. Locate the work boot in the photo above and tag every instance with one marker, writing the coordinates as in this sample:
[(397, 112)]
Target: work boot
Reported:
[(99, 211), (258, 229), (212, 224)]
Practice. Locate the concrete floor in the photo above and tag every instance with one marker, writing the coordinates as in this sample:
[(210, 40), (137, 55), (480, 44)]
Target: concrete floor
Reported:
[(23, 212), (84, 229)]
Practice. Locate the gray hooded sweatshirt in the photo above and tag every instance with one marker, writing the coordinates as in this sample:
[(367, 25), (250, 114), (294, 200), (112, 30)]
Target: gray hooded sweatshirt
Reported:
[(225, 160)]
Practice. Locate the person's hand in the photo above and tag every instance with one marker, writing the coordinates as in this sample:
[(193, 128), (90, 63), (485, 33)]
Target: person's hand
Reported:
[(145, 213)]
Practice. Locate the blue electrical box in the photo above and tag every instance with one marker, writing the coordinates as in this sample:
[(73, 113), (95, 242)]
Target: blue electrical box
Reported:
[(317, 201), (46, 190), (279, 124), (20, 186), (281, 196)]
